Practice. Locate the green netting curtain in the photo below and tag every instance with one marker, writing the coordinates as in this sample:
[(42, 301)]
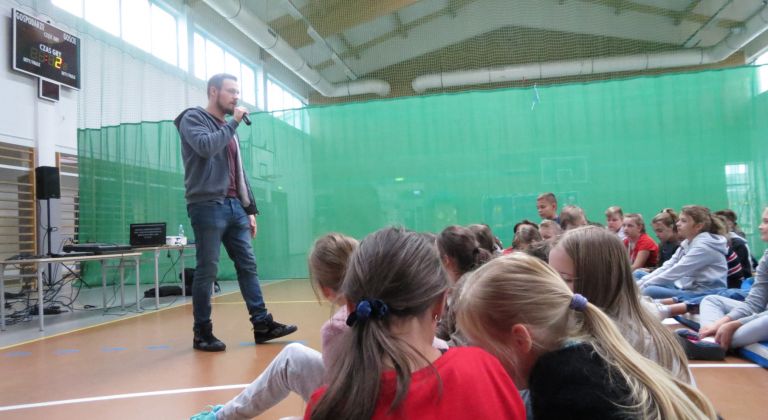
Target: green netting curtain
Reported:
[(427, 162)]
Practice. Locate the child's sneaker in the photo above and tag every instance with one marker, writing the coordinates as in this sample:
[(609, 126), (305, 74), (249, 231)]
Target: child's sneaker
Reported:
[(687, 322), (208, 414), (697, 349)]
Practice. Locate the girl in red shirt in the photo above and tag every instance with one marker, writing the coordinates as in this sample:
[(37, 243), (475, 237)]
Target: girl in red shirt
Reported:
[(643, 251), (387, 367)]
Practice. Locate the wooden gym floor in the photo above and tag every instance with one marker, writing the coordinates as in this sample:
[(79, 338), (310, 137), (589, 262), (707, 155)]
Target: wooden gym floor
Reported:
[(144, 366)]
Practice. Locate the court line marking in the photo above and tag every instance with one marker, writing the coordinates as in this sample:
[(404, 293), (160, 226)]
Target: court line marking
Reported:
[(269, 282), (228, 387), (238, 386), (276, 302), (121, 396), (724, 365), (145, 312)]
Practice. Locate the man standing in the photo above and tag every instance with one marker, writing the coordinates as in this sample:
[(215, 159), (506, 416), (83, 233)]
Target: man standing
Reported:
[(222, 210)]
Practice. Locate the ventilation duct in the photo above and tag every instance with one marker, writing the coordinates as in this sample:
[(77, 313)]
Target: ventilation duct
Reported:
[(738, 38), (258, 31)]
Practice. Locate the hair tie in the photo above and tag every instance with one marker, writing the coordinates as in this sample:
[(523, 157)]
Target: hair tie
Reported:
[(367, 309), (578, 303)]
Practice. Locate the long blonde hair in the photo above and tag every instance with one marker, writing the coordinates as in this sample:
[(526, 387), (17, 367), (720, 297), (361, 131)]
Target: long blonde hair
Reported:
[(604, 276), (519, 289)]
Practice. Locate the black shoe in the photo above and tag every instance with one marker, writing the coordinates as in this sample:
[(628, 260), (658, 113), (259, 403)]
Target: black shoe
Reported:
[(697, 349), (687, 322), (205, 340), (268, 329)]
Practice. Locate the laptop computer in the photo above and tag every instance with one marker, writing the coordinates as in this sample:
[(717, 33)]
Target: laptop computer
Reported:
[(147, 234)]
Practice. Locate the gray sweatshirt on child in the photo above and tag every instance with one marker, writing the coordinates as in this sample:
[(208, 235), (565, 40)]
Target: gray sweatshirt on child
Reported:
[(756, 304), (698, 265), (206, 165)]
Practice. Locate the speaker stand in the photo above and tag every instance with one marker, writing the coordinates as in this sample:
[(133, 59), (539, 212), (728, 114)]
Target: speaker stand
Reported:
[(49, 234)]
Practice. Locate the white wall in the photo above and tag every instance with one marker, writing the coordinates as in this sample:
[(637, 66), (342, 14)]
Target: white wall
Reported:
[(119, 87), (26, 119), (120, 83)]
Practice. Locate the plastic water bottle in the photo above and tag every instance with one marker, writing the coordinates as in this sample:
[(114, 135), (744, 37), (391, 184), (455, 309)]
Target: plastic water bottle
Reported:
[(181, 239)]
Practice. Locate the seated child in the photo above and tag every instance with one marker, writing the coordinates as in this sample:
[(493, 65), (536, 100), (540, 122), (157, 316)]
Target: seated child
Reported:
[(736, 324), (665, 227), (569, 354), (643, 251), (299, 368), (387, 367), (592, 261), (614, 220), (549, 229), (699, 265)]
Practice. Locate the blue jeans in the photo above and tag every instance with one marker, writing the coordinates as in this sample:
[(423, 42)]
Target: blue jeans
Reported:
[(661, 292), (223, 222), (734, 294), (639, 274)]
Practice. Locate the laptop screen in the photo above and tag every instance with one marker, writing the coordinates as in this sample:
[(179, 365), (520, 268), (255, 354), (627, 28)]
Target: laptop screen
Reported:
[(147, 234)]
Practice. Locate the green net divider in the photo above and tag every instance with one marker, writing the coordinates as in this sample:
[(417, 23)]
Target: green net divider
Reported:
[(431, 161)]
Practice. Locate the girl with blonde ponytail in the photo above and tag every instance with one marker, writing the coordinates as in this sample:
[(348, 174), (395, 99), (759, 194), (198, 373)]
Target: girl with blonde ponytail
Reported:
[(387, 366), (565, 350), (593, 262)]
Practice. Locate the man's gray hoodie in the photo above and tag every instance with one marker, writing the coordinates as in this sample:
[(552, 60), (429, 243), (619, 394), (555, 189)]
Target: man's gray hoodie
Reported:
[(697, 265), (206, 166)]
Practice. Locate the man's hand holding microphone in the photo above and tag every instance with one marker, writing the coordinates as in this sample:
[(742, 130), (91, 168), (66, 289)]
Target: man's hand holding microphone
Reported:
[(241, 113)]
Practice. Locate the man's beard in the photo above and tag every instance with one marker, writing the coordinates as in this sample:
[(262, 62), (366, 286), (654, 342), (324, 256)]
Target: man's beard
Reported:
[(227, 109)]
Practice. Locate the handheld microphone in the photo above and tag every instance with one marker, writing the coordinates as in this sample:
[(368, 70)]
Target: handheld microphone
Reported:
[(246, 120)]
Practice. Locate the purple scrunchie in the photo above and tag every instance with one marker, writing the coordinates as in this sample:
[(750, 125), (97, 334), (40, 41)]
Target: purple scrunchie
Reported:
[(578, 303)]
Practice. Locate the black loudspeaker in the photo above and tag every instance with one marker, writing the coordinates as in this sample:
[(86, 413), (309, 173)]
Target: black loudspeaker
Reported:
[(47, 182)]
